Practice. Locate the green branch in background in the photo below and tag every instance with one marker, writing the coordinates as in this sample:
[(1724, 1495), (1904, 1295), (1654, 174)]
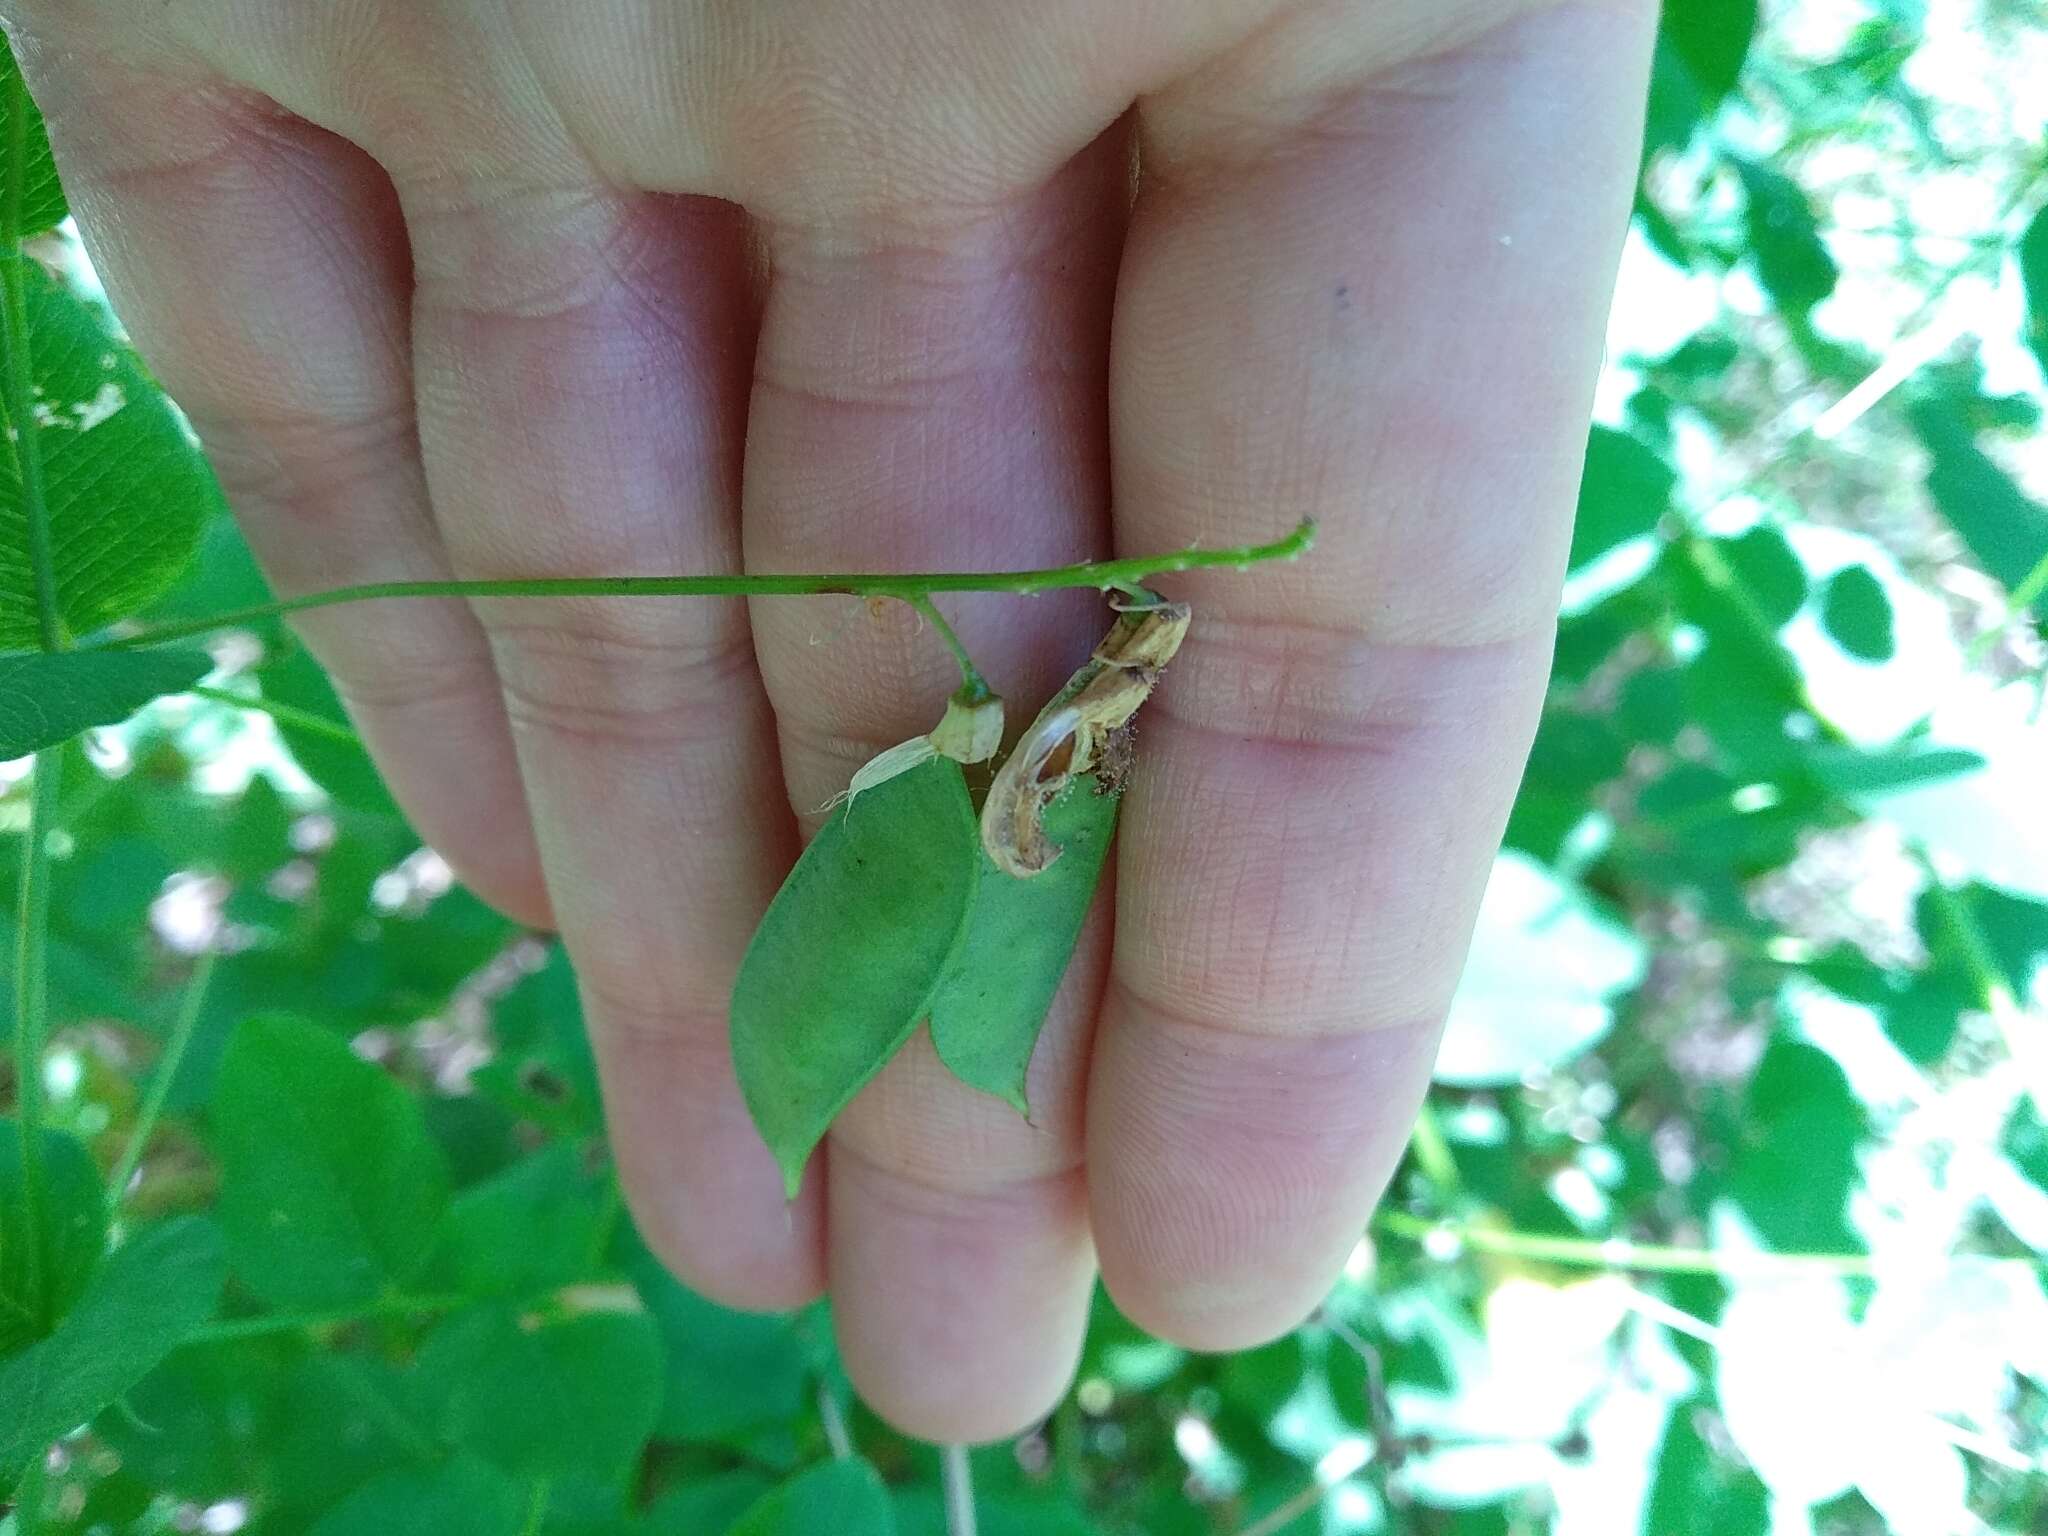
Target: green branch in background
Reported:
[(283, 713), (307, 1322), (1617, 1253), (160, 1085), (907, 587), (31, 1005)]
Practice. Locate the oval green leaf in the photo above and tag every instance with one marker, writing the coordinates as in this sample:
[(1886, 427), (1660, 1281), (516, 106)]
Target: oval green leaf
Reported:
[(846, 1497), (141, 1303), (332, 1191), (844, 963), (43, 1271), (993, 999), (48, 697), (561, 1397), (462, 1497), (127, 489), (1857, 614)]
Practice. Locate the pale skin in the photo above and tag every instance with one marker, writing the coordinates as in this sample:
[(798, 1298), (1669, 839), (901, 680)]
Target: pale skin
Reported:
[(499, 288)]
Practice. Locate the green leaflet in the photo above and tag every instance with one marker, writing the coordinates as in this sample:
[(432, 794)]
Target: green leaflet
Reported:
[(992, 1001), (331, 1189), (555, 1397), (42, 199), (126, 488), (462, 1497), (144, 1299), (2032, 256), (1624, 489), (42, 1273), (2005, 529), (847, 957), (1857, 614), (846, 1497), (48, 698)]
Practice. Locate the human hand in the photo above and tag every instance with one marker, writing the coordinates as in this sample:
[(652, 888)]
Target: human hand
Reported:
[(475, 289)]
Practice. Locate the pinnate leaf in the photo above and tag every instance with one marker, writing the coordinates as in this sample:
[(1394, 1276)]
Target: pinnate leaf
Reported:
[(845, 963), (126, 487), (993, 998), (331, 1188), (145, 1298), (42, 198), (48, 697)]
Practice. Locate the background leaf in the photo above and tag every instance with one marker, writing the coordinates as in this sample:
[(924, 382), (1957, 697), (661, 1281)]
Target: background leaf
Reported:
[(843, 966), (66, 1248), (42, 198), (844, 1497), (48, 698), (462, 1497), (331, 1189), (128, 491), (1624, 489), (543, 1397), (145, 1298), (993, 998), (726, 1374), (1713, 38), (1858, 615), (2005, 529), (2032, 256), (1792, 261)]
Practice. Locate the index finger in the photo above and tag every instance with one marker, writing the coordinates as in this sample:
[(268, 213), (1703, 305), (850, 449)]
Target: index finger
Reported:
[(1383, 309)]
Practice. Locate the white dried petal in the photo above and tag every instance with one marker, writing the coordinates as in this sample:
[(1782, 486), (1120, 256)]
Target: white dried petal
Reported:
[(881, 768)]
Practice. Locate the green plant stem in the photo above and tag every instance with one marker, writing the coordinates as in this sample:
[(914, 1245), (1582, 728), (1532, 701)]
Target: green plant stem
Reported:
[(956, 1478), (973, 686), (2017, 602), (288, 714), (31, 1007), (306, 1322), (1620, 1254), (182, 1029), (906, 587)]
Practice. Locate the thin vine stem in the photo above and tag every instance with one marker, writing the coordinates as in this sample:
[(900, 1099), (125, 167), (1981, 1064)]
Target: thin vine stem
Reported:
[(907, 587), (187, 1023), (1620, 1254), (304, 1322), (972, 684), (956, 1478)]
